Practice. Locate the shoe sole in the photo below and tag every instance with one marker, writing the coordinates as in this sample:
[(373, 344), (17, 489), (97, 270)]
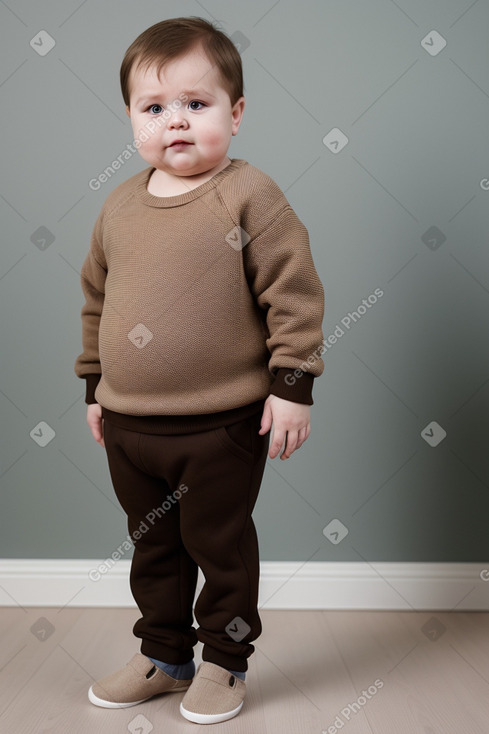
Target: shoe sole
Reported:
[(113, 705), (210, 718)]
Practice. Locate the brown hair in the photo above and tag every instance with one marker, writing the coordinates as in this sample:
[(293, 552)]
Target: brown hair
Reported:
[(169, 39)]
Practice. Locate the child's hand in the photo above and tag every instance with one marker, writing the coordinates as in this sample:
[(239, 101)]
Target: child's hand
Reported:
[(95, 421), (291, 422)]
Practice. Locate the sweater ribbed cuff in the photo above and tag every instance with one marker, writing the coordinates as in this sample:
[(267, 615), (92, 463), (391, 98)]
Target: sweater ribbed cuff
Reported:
[(91, 384), (290, 387)]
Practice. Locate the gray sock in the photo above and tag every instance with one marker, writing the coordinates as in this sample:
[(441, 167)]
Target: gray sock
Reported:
[(238, 674), (184, 671)]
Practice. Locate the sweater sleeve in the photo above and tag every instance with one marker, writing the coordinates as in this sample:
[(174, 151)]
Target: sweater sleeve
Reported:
[(93, 276), (284, 281)]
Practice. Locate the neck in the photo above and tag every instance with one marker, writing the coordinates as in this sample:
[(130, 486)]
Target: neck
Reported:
[(162, 183)]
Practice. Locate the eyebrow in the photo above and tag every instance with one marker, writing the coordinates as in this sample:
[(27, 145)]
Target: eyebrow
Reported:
[(189, 92)]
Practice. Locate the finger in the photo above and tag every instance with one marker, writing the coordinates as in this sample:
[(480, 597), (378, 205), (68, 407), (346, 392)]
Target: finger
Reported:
[(96, 432), (277, 438), (290, 445), (266, 420), (302, 437)]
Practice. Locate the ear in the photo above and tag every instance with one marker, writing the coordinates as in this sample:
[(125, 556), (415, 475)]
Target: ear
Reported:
[(128, 112), (237, 114)]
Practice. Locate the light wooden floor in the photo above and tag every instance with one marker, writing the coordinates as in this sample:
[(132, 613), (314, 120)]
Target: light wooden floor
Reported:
[(427, 673)]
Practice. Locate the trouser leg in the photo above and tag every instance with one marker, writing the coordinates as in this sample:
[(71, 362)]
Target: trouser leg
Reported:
[(163, 574), (218, 532)]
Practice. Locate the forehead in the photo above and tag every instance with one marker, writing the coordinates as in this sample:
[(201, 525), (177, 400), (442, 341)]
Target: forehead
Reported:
[(190, 71)]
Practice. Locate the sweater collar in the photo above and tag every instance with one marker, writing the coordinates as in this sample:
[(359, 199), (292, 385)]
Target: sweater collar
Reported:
[(171, 201)]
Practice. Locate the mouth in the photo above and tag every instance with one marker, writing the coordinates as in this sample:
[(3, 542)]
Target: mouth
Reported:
[(179, 144)]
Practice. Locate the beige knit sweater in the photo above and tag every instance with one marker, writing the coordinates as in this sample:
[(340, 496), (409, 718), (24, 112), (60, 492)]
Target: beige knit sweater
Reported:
[(201, 302)]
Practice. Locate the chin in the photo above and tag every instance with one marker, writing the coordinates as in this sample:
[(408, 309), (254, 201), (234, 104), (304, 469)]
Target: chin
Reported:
[(190, 170)]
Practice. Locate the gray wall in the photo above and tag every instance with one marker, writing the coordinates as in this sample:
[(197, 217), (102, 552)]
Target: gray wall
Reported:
[(402, 207)]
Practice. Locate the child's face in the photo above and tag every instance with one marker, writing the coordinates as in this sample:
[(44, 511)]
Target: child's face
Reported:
[(206, 121)]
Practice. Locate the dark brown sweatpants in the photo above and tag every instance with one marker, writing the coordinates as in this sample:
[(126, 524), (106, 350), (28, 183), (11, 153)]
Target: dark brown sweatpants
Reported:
[(189, 499)]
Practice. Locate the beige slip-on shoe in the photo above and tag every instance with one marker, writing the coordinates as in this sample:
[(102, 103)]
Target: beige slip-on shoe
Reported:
[(215, 695), (139, 680)]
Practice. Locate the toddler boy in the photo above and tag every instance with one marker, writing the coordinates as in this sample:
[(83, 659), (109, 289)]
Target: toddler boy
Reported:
[(201, 332)]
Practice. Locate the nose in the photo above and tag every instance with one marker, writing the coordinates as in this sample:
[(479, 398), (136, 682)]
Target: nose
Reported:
[(177, 121)]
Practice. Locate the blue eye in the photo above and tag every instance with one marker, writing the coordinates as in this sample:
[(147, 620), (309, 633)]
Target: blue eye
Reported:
[(156, 109), (195, 105)]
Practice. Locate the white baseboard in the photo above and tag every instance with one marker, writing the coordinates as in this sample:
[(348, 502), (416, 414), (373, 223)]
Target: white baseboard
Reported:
[(283, 585)]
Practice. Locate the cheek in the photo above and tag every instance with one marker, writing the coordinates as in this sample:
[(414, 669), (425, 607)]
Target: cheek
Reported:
[(147, 134), (216, 135)]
